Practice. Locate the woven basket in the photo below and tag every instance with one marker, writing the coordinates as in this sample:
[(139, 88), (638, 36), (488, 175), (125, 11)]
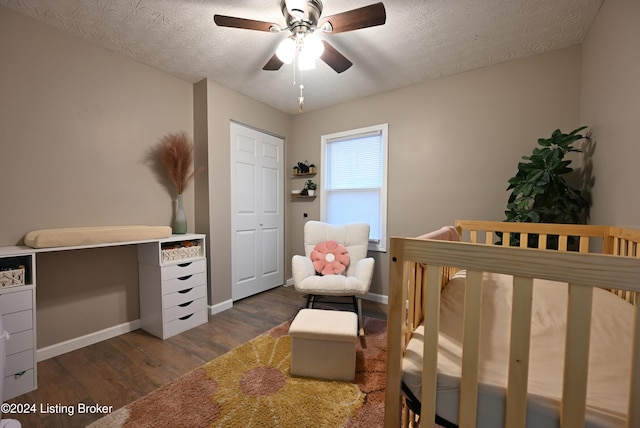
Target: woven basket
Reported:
[(11, 278), (172, 254)]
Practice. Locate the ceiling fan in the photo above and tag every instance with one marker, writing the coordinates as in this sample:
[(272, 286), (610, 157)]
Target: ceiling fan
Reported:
[(303, 20)]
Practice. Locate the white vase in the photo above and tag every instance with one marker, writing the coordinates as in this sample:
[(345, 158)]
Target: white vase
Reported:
[(311, 192), (180, 221)]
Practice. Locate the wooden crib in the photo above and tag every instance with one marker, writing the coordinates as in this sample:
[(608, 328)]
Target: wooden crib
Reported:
[(586, 257)]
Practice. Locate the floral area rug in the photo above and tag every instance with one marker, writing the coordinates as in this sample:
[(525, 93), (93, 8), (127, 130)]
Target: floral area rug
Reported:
[(251, 386)]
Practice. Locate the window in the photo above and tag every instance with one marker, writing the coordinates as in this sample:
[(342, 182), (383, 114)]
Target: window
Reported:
[(354, 171)]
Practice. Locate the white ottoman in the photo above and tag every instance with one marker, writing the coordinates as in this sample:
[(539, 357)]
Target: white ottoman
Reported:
[(323, 344)]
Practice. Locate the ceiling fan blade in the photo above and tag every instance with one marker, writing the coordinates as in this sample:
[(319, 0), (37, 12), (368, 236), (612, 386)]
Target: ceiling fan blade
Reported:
[(367, 16), (248, 24), (273, 64), (335, 59)]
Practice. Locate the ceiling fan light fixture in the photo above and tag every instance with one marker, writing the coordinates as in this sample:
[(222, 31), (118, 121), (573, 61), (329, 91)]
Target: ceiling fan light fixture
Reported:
[(313, 46), (306, 61), (286, 51)]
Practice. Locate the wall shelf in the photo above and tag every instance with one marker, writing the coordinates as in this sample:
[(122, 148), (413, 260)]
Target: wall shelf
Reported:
[(308, 174), (302, 198)]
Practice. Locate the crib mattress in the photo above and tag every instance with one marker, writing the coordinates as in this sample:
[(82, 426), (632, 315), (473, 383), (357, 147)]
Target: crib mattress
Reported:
[(609, 363)]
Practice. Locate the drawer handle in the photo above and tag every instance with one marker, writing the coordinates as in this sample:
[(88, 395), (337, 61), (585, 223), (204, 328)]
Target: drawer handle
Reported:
[(185, 291), (186, 317), (184, 278), (19, 374), (184, 264), (184, 305)]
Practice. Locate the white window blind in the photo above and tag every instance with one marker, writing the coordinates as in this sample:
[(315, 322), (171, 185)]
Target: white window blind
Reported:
[(354, 171)]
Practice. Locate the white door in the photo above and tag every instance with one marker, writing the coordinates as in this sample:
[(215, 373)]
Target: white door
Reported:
[(257, 211)]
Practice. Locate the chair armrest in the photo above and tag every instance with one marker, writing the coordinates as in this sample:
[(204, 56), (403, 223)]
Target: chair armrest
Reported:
[(301, 268), (364, 271)]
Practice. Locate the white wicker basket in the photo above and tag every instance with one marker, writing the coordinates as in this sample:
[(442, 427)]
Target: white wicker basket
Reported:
[(11, 277), (181, 253)]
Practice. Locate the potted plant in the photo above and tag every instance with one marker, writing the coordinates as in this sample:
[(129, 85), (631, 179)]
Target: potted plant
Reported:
[(539, 191), (310, 187)]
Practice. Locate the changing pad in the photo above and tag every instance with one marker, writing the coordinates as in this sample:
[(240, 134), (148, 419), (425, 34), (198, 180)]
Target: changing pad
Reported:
[(74, 236)]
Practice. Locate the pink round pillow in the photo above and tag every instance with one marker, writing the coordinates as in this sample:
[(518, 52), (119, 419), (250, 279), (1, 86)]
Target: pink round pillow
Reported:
[(330, 258)]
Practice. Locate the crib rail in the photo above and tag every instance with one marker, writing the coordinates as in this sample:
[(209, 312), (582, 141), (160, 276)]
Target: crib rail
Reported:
[(581, 271), (613, 240), (576, 237)]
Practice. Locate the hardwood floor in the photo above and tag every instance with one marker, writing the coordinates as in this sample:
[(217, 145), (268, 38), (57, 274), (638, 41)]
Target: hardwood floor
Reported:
[(118, 371)]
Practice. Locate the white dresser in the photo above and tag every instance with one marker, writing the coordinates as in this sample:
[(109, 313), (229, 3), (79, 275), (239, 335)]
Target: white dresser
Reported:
[(17, 307), (173, 284)]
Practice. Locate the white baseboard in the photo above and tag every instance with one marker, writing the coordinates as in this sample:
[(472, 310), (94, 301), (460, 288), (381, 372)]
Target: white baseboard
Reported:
[(86, 340), (219, 307), (378, 298)]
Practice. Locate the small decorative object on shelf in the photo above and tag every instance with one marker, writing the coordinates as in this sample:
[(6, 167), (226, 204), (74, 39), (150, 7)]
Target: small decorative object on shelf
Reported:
[(310, 187), (303, 170), (303, 167), (12, 277)]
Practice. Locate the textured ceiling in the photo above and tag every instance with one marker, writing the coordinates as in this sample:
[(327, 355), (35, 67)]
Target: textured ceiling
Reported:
[(422, 39)]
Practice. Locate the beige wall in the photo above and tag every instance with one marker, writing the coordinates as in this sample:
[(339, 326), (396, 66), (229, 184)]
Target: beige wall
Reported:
[(213, 194), (453, 142), (77, 124), (611, 106)]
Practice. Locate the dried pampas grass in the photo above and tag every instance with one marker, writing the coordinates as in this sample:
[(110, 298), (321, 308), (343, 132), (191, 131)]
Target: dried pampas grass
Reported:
[(176, 152)]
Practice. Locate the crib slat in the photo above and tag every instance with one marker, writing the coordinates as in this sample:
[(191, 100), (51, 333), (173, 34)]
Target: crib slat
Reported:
[(524, 240), (488, 238), (576, 359), (430, 352), (414, 304), (542, 241), (470, 350), (634, 394), (516, 413), (584, 244), (562, 243)]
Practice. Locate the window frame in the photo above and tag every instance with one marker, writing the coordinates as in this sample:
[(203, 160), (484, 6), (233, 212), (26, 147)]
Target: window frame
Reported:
[(383, 129)]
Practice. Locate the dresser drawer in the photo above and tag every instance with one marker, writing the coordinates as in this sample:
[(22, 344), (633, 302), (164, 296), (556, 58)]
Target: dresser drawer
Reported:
[(18, 363), (16, 301), (184, 296), (185, 309), (19, 342), (183, 283), (18, 384), (187, 322), (183, 269), (18, 321)]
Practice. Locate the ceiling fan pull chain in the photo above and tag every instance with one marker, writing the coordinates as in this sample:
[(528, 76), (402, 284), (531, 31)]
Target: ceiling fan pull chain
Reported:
[(301, 99), (294, 73)]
